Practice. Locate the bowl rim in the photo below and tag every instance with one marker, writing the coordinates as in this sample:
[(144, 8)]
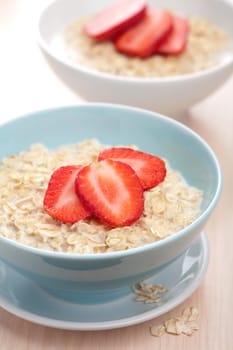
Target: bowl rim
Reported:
[(91, 72), (132, 251)]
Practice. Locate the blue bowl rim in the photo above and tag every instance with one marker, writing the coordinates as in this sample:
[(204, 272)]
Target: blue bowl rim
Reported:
[(133, 251)]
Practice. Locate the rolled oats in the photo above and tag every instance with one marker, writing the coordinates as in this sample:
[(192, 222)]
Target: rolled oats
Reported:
[(206, 44), (148, 293), (24, 177), (182, 324)]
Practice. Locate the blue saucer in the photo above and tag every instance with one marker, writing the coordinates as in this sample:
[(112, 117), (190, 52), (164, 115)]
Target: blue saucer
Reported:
[(23, 298)]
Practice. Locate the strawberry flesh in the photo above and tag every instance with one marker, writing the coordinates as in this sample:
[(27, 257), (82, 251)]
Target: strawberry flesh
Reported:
[(115, 19), (60, 200), (112, 192), (150, 169), (176, 41), (141, 39)]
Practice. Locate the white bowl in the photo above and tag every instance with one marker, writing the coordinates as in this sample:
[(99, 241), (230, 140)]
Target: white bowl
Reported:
[(170, 95)]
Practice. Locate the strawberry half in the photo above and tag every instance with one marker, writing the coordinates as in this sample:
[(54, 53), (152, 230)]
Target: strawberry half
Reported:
[(115, 18), (112, 192), (142, 38), (60, 200), (176, 41), (150, 169)]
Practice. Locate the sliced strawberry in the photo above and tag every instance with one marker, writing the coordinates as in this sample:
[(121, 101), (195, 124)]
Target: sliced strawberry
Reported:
[(150, 169), (115, 18), (176, 41), (112, 191), (142, 38), (61, 201)]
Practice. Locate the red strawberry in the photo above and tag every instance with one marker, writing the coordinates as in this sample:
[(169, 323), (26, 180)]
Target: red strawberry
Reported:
[(150, 169), (142, 38), (112, 191), (61, 201), (176, 41), (115, 18)]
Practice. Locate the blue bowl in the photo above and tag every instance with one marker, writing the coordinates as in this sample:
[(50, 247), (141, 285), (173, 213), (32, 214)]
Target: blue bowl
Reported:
[(93, 278)]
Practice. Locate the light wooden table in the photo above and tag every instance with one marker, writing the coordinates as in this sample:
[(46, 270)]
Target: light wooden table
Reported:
[(26, 84)]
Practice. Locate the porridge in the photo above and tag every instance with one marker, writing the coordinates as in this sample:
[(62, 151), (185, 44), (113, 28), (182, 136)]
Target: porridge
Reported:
[(168, 207), (205, 46)]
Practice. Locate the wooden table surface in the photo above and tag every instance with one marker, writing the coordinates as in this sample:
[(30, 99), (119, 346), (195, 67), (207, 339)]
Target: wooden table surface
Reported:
[(26, 84)]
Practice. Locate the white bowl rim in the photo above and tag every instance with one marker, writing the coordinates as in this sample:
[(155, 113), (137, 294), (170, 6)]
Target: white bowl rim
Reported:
[(130, 80), (137, 250)]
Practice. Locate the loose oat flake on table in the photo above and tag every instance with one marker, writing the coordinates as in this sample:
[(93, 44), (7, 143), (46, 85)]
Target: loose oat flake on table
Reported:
[(183, 324)]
